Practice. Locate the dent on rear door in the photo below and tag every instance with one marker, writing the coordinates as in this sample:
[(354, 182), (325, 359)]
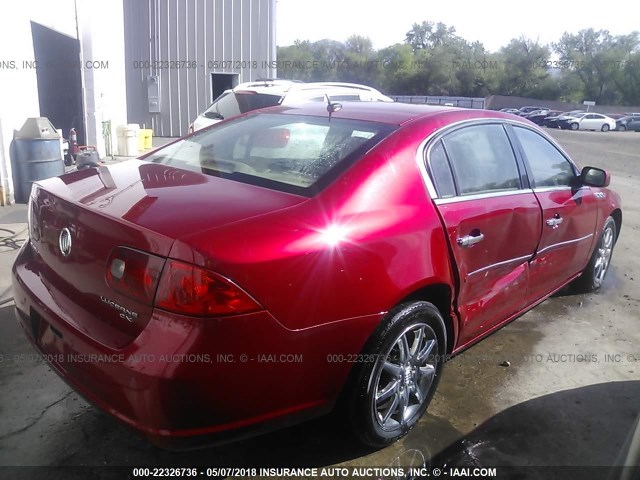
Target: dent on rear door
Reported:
[(492, 223)]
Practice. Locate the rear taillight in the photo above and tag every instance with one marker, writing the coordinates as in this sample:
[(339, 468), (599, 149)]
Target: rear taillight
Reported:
[(33, 220), (191, 290), (134, 274)]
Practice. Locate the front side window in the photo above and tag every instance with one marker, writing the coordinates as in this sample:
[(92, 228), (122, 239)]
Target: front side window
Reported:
[(548, 166), (482, 159), (293, 153)]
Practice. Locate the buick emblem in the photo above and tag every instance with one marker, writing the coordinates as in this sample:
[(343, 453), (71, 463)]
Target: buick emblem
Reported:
[(65, 242)]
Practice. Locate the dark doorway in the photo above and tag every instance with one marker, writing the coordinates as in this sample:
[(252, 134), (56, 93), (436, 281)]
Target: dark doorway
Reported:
[(59, 81), (221, 82)]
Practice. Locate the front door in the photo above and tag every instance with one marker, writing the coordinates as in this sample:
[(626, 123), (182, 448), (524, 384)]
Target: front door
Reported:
[(568, 214)]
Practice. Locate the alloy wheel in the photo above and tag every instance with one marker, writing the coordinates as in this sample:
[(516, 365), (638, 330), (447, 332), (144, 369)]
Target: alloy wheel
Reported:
[(605, 249), (404, 375)]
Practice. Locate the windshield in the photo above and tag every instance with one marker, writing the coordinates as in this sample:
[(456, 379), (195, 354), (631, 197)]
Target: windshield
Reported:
[(235, 103), (293, 153)]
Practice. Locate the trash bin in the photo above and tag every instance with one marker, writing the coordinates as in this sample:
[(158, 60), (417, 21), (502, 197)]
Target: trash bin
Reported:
[(38, 155), (128, 140)]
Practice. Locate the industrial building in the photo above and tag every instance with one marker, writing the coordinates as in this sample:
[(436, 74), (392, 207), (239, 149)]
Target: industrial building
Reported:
[(94, 66)]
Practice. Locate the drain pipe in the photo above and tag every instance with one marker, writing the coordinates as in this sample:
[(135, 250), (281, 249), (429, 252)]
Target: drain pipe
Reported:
[(83, 94)]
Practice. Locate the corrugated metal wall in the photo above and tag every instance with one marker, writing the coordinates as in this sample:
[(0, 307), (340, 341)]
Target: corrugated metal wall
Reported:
[(183, 42)]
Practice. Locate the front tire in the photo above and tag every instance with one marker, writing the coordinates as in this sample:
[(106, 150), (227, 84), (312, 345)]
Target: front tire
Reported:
[(392, 391), (605, 128), (593, 276), (574, 126), (621, 128)]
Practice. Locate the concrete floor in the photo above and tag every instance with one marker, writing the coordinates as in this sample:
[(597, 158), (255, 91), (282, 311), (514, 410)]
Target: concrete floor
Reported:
[(549, 407)]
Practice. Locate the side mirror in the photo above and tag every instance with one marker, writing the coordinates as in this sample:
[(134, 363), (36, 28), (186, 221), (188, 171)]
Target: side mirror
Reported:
[(213, 115), (595, 177)]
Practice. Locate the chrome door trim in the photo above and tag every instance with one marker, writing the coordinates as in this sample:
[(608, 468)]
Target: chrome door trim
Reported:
[(422, 153), (480, 196), (559, 188), (562, 244), (499, 264)]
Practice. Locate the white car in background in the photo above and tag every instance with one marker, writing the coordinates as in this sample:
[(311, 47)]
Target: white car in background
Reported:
[(591, 121), (267, 93)]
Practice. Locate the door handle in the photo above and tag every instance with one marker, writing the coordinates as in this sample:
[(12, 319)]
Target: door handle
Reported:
[(555, 221), (469, 240)]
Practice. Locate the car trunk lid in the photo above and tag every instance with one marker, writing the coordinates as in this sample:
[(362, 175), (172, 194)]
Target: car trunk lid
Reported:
[(136, 205)]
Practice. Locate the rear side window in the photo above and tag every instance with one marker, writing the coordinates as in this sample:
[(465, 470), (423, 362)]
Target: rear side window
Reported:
[(293, 153), (482, 159), (441, 172), (548, 166)]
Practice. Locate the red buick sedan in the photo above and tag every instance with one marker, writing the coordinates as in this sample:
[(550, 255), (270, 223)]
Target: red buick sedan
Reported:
[(254, 273)]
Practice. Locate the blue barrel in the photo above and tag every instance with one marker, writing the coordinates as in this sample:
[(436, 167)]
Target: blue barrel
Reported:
[(37, 156)]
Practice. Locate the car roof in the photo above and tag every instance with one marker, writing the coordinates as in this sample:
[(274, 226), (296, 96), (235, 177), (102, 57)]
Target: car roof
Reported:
[(390, 113), (282, 87)]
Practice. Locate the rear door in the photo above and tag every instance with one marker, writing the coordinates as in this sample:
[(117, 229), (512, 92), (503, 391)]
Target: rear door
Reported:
[(599, 121), (568, 214), (588, 122), (492, 220)]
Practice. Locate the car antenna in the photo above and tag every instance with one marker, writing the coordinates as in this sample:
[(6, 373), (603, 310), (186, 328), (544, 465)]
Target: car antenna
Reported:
[(332, 107)]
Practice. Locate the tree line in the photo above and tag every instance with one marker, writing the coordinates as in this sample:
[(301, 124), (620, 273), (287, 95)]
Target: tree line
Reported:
[(434, 60)]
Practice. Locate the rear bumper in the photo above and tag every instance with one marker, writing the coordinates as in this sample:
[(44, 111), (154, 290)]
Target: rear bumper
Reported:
[(186, 377)]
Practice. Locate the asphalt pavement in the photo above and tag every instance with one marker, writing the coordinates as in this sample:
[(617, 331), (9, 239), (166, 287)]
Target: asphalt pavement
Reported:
[(13, 231), (558, 386)]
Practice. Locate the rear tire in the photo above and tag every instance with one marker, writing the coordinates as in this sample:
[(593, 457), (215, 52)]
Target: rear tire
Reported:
[(593, 276), (401, 370)]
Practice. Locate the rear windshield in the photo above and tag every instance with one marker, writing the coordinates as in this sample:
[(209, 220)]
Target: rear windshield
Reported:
[(231, 104), (292, 153)]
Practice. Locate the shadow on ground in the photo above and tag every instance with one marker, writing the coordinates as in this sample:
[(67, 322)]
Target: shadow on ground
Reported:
[(587, 426)]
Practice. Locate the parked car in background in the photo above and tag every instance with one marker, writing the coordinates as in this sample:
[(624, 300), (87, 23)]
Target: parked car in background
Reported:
[(524, 110), (630, 122), (251, 274), (535, 112), (589, 121), (554, 122), (255, 95), (538, 118), (510, 110)]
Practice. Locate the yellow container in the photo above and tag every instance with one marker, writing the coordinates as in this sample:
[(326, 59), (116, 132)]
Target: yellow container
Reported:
[(147, 138), (141, 139)]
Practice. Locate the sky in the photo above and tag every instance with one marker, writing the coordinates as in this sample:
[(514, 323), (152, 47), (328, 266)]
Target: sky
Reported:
[(492, 22)]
